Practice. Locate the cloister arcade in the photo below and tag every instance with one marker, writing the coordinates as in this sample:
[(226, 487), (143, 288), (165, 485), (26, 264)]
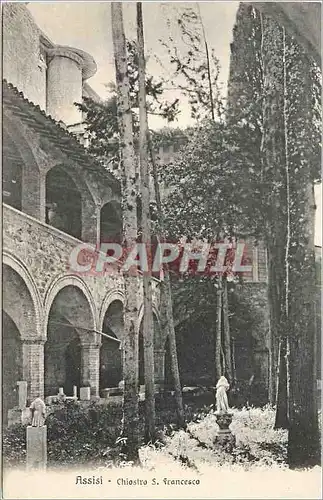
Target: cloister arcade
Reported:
[(54, 321)]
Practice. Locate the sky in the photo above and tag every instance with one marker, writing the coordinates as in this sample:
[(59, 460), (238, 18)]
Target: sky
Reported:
[(87, 26)]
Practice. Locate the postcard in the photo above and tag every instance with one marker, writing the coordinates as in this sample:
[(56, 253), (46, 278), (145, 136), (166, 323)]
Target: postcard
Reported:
[(161, 250)]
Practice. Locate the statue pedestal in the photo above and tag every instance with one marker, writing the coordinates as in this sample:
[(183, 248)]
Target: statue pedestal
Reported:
[(36, 447), (225, 438)]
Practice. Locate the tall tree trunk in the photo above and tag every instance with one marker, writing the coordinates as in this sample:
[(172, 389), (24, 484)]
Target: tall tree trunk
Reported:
[(129, 201), (148, 324), (166, 299), (273, 153), (233, 358), (288, 74), (226, 332), (166, 296), (303, 436), (218, 332), (281, 419)]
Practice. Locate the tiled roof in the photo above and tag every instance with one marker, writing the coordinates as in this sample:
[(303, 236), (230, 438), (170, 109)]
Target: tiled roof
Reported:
[(52, 130)]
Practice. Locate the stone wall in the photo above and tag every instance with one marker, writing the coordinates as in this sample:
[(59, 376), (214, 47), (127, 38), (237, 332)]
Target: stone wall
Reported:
[(38, 256), (48, 75), (22, 65), (45, 252)]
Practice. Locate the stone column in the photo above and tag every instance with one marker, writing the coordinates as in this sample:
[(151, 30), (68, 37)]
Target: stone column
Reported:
[(33, 366), (159, 366), (89, 220), (22, 393), (64, 85), (67, 69), (90, 367), (31, 194)]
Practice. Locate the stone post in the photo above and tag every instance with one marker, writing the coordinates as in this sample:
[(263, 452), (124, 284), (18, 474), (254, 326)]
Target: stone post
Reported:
[(22, 394), (33, 366), (36, 447), (90, 367)]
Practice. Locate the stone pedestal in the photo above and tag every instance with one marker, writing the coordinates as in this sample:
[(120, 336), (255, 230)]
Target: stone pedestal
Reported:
[(225, 438), (36, 447), (85, 393)]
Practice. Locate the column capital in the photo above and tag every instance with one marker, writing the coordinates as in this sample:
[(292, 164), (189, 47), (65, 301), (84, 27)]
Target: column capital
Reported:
[(33, 341), (89, 345)]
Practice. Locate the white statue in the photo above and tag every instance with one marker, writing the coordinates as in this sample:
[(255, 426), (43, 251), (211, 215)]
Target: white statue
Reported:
[(38, 412), (222, 404)]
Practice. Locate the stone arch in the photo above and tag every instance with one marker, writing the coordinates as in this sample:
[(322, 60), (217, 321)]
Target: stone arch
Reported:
[(63, 202), (110, 297), (111, 222), (23, 336), (111, 350), (72, 347), (63, 282), (84, 210), (15, 143), (12, 262)]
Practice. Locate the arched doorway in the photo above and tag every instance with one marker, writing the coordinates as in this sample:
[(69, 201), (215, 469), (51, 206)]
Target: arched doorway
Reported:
[(62, 356), (70, 327), (111, 353), (63, 202), (11, 365), (111, 223), (19, 323)]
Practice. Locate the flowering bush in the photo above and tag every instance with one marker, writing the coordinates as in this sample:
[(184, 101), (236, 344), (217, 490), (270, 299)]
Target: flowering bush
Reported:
[(257, 443)]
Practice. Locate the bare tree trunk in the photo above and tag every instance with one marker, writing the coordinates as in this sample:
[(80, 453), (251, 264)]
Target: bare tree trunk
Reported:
[(218, 329), (226, 331), (281, 419), (148, 325), (208, 66), (166, 299), (129, 200), (303, 436), (233, 358)]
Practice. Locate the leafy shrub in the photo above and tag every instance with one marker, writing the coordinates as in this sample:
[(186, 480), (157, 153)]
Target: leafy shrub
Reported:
[(14, 446), (82, 435)]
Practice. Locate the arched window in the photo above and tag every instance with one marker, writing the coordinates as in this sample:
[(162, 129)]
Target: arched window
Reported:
[(111, 223), (63, 202)]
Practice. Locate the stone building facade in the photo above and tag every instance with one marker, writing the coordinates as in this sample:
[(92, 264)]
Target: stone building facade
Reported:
[(55, 196)]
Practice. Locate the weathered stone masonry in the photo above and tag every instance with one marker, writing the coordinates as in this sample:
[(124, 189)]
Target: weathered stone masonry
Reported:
[(55, 196)]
